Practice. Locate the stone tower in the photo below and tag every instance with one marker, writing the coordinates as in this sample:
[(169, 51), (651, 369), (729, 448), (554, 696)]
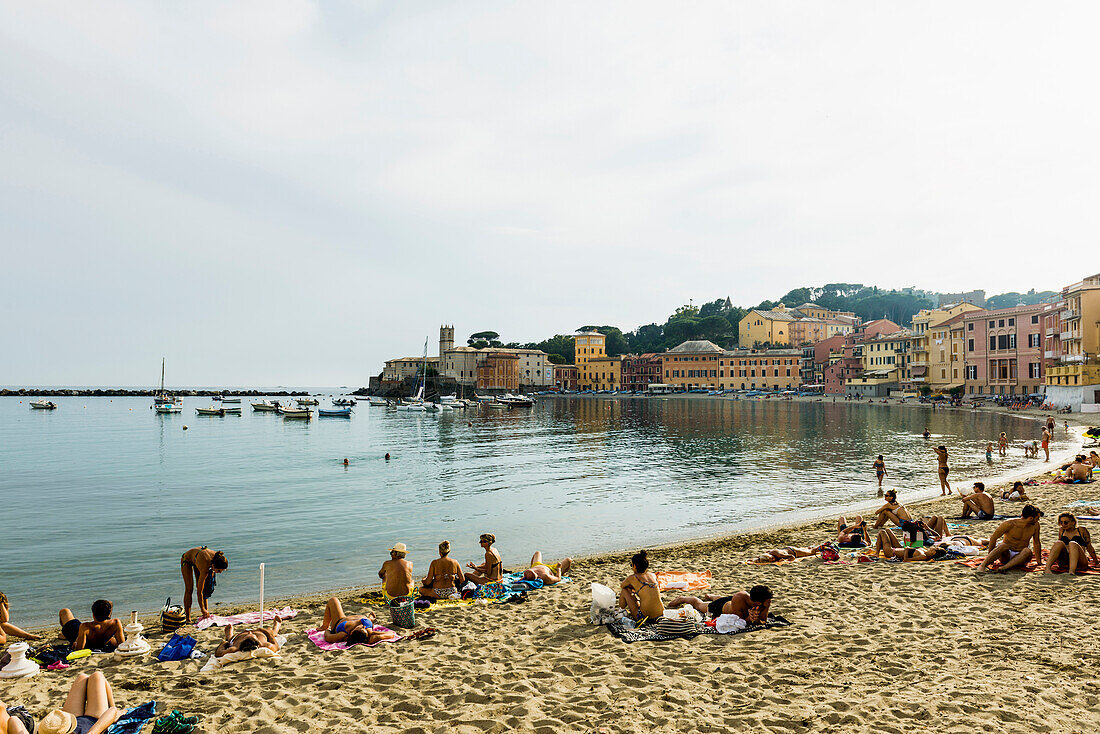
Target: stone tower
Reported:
[(446, 338)]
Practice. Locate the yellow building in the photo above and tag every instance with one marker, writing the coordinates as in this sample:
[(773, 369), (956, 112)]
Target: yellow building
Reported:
[(784, 326), (933, 359), (1073, 377), (884, 362), (587, 346), (604, 373)]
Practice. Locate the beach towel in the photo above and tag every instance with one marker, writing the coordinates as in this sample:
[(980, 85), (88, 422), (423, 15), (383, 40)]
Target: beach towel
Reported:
[(1032, 565), (247, 618), (651, 634), (317, 637), (215, 663), (973, 519), (132, 721), (1083, 503), (516, 581), (683, 580)]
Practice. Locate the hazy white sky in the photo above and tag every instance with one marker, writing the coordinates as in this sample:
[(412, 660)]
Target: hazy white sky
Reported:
[(288, 192)]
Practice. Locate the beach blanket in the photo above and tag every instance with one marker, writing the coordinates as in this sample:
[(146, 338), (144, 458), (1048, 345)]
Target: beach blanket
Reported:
[(973, 519), (1032, 565), (1083, 503), (247, 618), (214, 663), (649, 633), (133, 721), (317, 637), (683, 580)]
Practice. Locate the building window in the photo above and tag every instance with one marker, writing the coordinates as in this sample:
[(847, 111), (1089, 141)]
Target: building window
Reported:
[(1012, 322), (992, 324), (1035, 319), (970, 327)]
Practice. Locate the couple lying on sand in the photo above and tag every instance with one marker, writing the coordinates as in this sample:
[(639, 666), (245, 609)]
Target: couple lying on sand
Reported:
[(445, 578), (640, 596)]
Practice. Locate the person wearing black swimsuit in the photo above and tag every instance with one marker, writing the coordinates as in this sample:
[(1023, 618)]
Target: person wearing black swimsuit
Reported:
[(1069, 551)]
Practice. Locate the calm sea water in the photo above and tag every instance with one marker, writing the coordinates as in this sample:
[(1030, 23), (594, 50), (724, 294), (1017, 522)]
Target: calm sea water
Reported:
[(102, 496)]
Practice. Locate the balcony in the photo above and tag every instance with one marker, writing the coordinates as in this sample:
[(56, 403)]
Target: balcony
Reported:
[(1066, 335), (1071, 314), (1050, 331), (914, 362), (1048, 354)]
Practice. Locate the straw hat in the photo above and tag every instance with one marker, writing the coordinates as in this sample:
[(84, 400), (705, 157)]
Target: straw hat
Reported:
[(400, 548), (57, 722)]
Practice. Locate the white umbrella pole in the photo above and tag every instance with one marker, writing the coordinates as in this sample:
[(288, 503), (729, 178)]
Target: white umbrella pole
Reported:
[(261, 595)]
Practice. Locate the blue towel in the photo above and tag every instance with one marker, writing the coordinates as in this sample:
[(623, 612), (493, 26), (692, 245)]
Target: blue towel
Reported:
[(133, 720)]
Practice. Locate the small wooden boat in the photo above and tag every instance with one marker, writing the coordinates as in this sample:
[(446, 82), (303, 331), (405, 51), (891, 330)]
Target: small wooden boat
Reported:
[(231, 401), (334, 412), (210, 411), (232, 410), (307, 401), (266, 406), (43, 405), (379, 402), (303, 413)]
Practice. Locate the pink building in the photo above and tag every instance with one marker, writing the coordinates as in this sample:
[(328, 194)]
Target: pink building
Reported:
[(1004, 350)]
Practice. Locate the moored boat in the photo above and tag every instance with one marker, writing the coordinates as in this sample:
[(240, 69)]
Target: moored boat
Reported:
[(334, 412), (231, 401), (266, 406), (210, 411), (378, 402), (232, 410), (163, 401), (43, 405), (307, 401), (344, 402), (289, 412)]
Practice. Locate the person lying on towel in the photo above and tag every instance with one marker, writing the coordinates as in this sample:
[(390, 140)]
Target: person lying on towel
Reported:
[(358, 630), (890, 547), (751, 606), (549, 573), (786, 554), (102, 633), (249, 640)]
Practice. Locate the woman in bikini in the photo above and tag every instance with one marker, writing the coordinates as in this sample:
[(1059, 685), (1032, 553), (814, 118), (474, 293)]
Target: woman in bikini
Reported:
[(353, 630), (879, 466), (490, 572), (789, 553), (1002, 444), (198, 566), (639, 593), (1069, 551), (548, 573), (7, 628), (893, 511), (249, 640), (890, 547), (443, 576)]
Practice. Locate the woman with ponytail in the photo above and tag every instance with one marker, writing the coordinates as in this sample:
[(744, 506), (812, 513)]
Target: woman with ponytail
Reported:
[(198, 566)]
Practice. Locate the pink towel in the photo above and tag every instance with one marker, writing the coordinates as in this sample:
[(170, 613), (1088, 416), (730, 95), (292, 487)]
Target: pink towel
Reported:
[(318, 639), (247, 618)]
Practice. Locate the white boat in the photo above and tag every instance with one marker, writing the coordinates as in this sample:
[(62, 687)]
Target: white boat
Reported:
[(266, 406), (378, 402), (414, 407), (163, 402), (445, 399), (516, 401), (232, 410), (496, 406), (288, 412), (308, 401), (344, 402), (231, 401), (43, 405), (210, 411)]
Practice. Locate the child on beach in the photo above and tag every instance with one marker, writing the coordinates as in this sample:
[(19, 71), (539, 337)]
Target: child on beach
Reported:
[(1002, 443), (989, 453)]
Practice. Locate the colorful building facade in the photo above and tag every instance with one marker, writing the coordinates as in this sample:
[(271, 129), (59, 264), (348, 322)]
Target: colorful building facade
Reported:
[(1004, 351), (640, 371), (499, 371)]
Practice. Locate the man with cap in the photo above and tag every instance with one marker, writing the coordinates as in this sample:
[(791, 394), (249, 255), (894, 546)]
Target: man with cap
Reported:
[(397, 574), (1015, 535)]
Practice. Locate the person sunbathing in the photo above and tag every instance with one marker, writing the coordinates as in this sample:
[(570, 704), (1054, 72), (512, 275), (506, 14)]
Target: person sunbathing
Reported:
[(492, 570), (249, 640), (397, 575), (1069, 552), (444, 576), (7, 628), (16, 720), (977, 503), (1079, 471), (548, 573), (638, 593), (1016, 534), (103, 633), (353, 630), (893, 511), (786, 554), (88, 709), (851, 534), (889, 546), (751, 606), (1015, 494)]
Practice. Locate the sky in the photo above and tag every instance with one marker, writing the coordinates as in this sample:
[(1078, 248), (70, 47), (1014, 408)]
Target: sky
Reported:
[(286, 192)]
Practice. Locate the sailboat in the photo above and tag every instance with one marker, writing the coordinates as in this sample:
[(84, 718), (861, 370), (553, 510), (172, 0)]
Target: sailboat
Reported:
[(416, 403), (163, 401)]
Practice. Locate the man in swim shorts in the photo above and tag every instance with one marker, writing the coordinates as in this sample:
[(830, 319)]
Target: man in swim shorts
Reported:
[(979, 504), (1015, 535), (103, 633), (751, 606), (548, 573)]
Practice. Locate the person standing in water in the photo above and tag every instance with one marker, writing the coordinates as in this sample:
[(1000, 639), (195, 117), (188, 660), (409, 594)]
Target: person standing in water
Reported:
[(1047, 433), (941, 455), (1002, 444), (198, 566), (880, 471)]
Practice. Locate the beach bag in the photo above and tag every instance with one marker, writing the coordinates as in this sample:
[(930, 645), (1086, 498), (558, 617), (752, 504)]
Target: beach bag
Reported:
[(679, 627), (171, 617), (177, 648), (403, 613), (829, 552)]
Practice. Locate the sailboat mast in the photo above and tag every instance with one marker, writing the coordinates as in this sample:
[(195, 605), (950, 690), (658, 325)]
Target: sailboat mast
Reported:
[(162, 374)]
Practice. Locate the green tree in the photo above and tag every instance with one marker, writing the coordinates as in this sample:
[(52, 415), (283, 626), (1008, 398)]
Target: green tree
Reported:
[(483, 336)]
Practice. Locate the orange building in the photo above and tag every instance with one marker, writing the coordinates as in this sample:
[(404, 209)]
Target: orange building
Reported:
[(498, 372)]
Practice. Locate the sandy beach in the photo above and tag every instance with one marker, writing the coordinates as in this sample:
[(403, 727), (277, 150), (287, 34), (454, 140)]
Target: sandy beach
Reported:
[(872, 647)]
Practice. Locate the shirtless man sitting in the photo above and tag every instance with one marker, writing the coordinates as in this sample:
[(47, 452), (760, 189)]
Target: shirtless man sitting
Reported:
[(444, 575), (249, 640), (549, 574), (1079, 471), (103, 633), (751, 606), (397, 575), (892, 511), (977, 503), (1015, 536)]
